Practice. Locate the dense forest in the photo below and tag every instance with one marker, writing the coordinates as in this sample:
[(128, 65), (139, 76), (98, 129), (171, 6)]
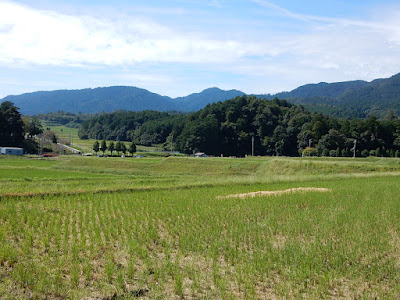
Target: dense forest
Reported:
[(145, 128), (227, 128)]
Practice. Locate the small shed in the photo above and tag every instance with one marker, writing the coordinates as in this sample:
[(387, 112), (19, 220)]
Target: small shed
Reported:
[(11, 151)]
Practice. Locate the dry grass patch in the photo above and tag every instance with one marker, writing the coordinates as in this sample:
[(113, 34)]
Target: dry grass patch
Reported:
[(275, 193)]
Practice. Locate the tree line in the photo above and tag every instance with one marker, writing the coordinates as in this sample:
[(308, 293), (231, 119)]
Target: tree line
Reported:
[(228, 128), (118, 146)]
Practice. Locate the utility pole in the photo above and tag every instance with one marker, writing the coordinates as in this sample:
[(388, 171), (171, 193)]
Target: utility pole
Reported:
[(40, 150), (354, 148), (309, 147), (172, 142), (252, 145)]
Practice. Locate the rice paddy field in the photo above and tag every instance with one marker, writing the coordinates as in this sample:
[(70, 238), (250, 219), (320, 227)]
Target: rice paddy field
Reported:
[(162, 228)]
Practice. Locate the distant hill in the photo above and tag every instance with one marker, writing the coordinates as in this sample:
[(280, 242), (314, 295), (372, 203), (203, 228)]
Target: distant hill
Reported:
[(377, 98), (114, 98), (352, 99), (197, 101), (90, 100), (323, 89)]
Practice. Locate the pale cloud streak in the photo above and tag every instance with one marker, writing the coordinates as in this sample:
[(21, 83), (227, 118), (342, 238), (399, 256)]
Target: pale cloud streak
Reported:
[(322, 19), (282, 10)]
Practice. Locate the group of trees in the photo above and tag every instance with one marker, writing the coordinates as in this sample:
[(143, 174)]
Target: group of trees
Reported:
[(18, 131), (280, 128), (146, 127), (118, 146), (228, 128)]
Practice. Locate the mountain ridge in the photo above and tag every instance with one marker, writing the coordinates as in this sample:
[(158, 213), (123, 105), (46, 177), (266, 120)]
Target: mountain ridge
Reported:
[(356, 98)]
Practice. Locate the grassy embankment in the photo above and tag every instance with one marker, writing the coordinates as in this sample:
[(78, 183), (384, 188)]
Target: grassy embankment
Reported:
[(110, 227), (70, 135)]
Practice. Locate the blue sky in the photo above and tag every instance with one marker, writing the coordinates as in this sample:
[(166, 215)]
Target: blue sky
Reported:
[(179, 47)]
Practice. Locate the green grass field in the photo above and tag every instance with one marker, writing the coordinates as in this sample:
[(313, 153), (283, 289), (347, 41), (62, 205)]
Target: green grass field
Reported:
[(154, 228), (70, 135)]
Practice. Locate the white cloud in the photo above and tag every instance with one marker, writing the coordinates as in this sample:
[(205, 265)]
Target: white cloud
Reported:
[(46, 37)]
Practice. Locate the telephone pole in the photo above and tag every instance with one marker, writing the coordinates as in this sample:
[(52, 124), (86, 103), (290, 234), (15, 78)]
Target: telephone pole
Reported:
[(252, 145), (354, 148), (309, 147)]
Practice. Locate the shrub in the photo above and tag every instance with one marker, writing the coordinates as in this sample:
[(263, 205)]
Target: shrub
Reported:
[(325, 152), (333, 153), (309, 152), (365, 153)]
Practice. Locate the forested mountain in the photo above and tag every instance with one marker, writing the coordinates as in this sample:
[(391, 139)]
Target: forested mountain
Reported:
[(227, 128), (377, 98), (351, 99), (197, 101), (109, 99), (91, 100), (323, 89)]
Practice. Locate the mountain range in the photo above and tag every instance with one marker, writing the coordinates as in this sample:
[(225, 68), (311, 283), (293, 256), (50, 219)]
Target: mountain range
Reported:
[(108, 99), (341, 99)]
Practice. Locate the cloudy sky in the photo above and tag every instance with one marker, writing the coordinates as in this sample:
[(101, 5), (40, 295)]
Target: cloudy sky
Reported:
[(178, 47)]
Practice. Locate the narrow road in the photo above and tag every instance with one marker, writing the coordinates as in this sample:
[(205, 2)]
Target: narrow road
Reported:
[(73, 150)]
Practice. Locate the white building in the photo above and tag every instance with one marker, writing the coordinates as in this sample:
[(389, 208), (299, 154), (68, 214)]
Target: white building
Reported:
[(11, 151)]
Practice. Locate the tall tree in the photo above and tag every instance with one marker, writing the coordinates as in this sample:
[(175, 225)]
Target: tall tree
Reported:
[(33, 127), (96, 147), (118, 147), (103, 146), (132, 148), (111, 147), (123, 148), (11, 124)]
